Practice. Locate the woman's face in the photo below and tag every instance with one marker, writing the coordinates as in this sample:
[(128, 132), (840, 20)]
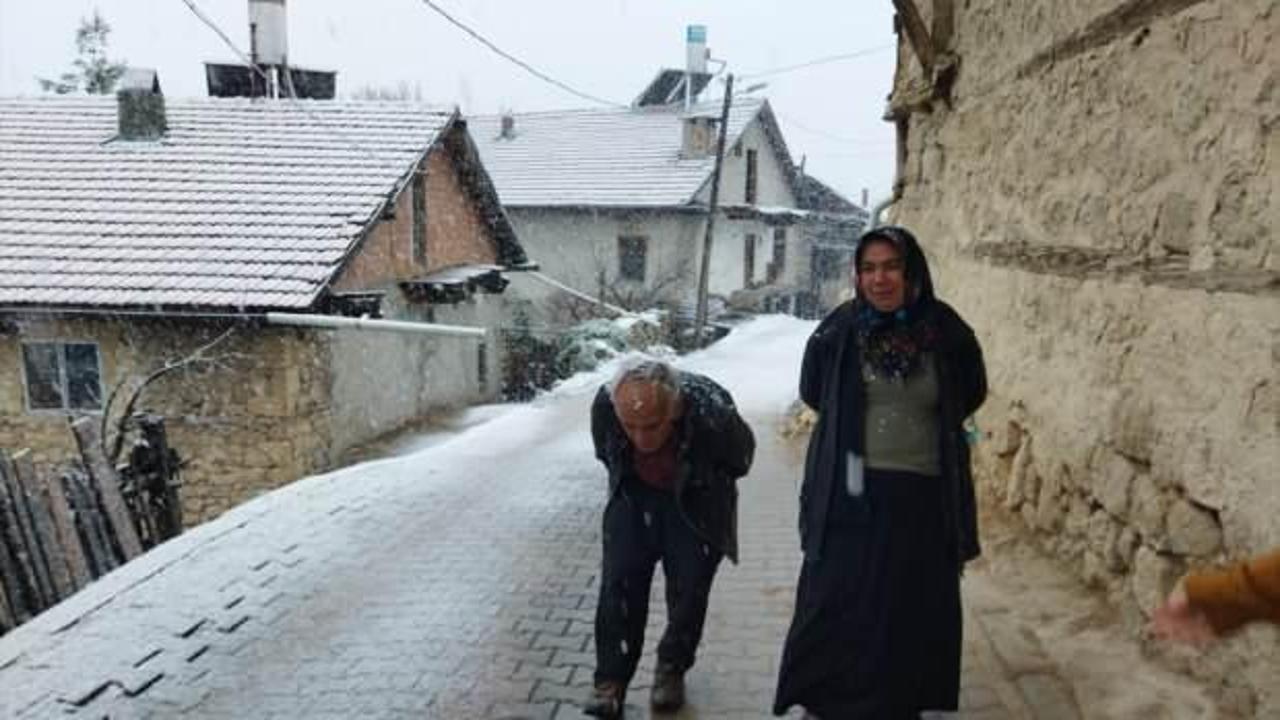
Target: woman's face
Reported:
[(881, 276)]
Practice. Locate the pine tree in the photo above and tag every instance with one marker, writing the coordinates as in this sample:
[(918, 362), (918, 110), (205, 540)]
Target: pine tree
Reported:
[(94, 72)]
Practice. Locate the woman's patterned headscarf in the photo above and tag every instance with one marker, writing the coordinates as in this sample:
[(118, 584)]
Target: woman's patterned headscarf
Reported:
[(893, 342)]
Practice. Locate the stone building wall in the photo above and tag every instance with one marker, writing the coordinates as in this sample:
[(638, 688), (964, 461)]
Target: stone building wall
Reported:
[(256, 420), (1100, 199)]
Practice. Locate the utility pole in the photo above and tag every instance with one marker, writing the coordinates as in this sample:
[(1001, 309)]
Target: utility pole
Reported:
[(700, 321)]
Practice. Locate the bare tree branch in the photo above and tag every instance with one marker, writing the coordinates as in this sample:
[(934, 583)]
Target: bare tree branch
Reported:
[(198, 356)]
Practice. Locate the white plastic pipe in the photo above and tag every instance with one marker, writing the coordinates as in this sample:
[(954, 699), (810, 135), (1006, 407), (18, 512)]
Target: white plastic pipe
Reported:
[(538, 275), (335, 322)]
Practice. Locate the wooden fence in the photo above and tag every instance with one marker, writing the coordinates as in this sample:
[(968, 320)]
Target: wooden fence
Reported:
[(60, 530)]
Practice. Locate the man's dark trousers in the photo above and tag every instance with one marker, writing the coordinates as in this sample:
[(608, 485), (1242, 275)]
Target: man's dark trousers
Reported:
[(642, 525)]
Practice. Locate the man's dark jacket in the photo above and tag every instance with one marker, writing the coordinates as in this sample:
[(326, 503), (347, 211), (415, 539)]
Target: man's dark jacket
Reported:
[(714, 448)]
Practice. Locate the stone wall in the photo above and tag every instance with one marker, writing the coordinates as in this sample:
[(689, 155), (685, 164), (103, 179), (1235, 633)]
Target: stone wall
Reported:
[(256, 420), (1099, 199)]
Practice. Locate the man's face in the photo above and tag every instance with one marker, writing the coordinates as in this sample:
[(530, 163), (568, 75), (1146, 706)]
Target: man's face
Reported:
[(881, 276), (647, 412)]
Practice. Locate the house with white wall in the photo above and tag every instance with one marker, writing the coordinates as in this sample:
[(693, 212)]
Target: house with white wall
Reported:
[(614, 202)]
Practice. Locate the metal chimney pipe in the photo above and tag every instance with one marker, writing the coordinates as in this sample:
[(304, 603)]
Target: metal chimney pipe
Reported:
[(268, 26)]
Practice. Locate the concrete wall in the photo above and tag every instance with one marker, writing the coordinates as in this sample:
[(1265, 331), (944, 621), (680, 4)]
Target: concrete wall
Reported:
[(384, 381), (575, 247), (1100, 202)]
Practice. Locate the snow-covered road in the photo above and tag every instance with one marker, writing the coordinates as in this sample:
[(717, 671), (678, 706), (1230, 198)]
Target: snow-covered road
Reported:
[(459, 582), (456, 581)]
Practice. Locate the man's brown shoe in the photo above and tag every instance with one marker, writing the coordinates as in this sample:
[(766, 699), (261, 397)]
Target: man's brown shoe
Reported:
[(668, 690), (606, 700)]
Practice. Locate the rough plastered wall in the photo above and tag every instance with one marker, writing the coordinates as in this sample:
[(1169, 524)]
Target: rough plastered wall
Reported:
[(1100, 199)]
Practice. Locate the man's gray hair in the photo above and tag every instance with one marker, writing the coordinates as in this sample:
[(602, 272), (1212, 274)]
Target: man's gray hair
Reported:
[(647, 370)]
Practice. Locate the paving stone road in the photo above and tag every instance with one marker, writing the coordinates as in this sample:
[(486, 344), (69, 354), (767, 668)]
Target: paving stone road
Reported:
[(456, 583)]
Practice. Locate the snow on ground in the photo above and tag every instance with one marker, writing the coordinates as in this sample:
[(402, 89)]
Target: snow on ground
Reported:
[(447, 428), (766, 386)]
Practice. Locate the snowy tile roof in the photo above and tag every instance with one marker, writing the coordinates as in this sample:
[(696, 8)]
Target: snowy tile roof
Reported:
[(621, 157), (242, 204)]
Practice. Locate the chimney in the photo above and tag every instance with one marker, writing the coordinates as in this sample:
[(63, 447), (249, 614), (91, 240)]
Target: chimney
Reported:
[(268, 36), (508, 131), (140, 106), (700, 136), (699, 131), (866, 198)]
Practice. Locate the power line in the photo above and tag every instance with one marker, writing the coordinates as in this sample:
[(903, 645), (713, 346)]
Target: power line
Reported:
[(861, 154), (522, 64), (819, 61), (830, 135)]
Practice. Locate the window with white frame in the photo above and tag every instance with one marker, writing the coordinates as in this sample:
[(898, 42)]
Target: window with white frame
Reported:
[(62, 375)]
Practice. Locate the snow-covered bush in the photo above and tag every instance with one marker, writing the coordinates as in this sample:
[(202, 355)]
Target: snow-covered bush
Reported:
[(588, 344)]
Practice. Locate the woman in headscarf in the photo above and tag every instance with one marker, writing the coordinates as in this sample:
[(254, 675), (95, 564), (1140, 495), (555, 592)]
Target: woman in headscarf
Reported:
[(887, 510)]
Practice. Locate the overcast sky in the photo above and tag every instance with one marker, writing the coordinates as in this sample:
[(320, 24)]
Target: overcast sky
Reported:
[(830, 114)]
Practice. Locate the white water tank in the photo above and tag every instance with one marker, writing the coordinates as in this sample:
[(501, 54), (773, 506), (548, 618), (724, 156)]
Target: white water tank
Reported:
[(268, 31), (696, 44)]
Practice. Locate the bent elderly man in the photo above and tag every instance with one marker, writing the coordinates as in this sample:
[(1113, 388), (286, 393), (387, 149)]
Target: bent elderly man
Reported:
[(674, 445)]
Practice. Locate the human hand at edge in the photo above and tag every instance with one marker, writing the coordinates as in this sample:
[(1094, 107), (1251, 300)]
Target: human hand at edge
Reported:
[(1176, 620)]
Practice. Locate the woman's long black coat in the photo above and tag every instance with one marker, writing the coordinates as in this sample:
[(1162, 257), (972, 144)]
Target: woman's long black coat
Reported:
[(831, 384)]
